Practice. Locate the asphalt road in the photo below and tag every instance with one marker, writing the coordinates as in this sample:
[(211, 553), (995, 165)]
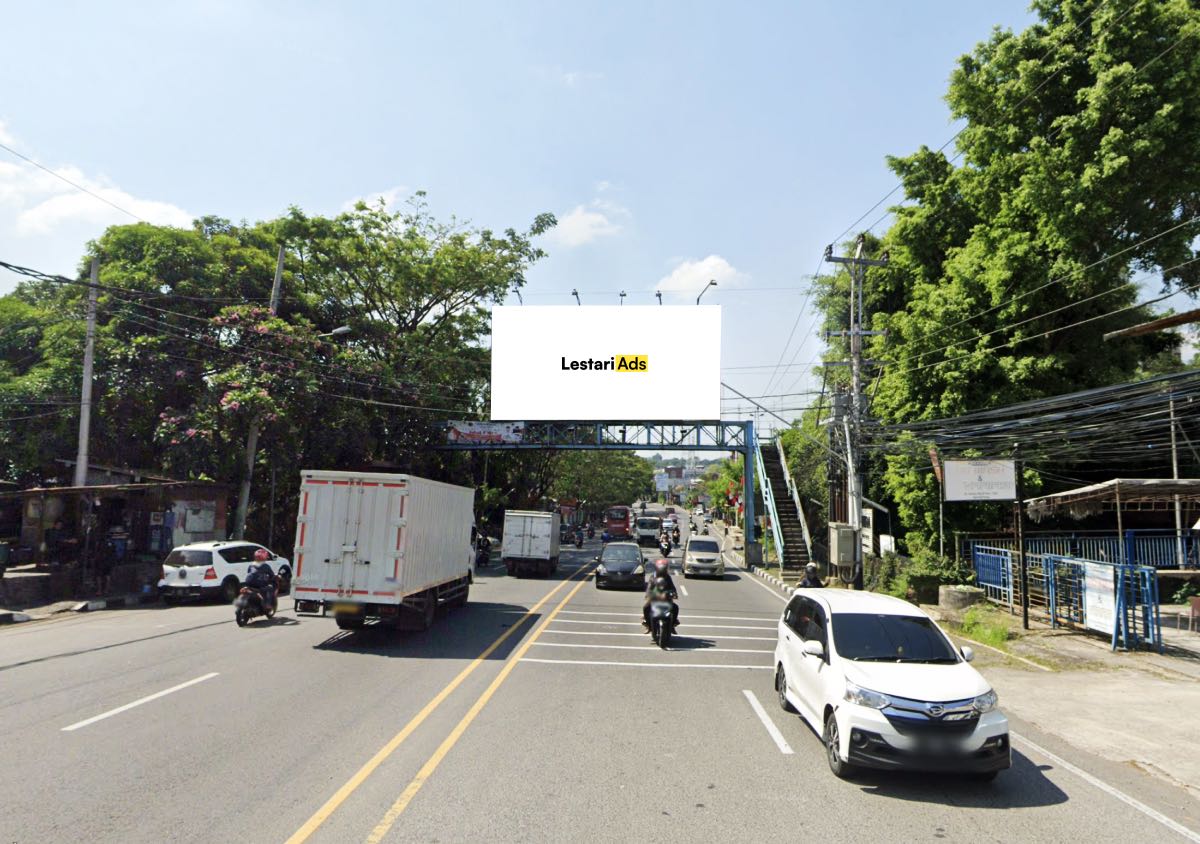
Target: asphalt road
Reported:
[(574, 727)]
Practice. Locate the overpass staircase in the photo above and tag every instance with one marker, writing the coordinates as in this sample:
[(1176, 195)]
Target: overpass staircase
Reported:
[(789, 527)]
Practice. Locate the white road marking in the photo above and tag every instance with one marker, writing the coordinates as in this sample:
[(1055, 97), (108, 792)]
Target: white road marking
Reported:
[(683, 590), (681, 624), (772, 730), (644, 664), (651, 648), (626, 615), (1153, 814), (753, 578), (643, 633), (138, 702)]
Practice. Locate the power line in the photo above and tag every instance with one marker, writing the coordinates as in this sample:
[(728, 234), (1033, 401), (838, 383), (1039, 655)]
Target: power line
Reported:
[(75, 185)]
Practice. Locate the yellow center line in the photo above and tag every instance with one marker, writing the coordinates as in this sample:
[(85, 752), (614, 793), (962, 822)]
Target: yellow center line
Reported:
[(339, 797), (382, 828)]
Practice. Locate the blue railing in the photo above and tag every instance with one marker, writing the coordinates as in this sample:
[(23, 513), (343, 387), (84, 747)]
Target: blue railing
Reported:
[(769, 500), (1058, 592), (1154, 548)]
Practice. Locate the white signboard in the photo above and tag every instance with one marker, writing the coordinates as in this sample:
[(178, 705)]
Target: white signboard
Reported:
[(980, 480), (652, 362), (1099, 598), (662, 483), (485, 432)]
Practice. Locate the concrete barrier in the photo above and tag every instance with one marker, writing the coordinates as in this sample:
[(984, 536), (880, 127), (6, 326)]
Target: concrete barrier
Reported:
[(958, 597)]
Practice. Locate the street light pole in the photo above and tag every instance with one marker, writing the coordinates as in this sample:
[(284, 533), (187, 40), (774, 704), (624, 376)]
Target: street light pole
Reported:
[(575, 293), (658, 293), (712, 282), (622, 297)]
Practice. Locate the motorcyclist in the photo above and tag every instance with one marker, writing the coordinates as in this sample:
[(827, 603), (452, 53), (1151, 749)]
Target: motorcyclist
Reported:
[(675, 534), (661, 584), (811, 579), (579, 535), (483, 551), (591, 531), (664, 543), (261, 577)]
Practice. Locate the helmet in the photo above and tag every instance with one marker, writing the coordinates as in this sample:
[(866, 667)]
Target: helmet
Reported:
[(261, 555), (661, 568), (660, 583), (811, 568)]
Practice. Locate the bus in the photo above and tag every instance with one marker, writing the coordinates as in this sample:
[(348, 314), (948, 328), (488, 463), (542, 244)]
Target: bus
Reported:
[(618, 522)]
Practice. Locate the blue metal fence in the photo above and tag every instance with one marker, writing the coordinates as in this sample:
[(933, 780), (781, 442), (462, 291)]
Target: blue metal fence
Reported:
[(1155, 548), (1058, 591)]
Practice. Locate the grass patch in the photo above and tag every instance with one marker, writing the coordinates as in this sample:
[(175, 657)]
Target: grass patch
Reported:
[(984, 625)]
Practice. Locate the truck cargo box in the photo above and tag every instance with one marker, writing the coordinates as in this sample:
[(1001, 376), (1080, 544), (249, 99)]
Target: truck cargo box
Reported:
[(530, 541), (371, 545)]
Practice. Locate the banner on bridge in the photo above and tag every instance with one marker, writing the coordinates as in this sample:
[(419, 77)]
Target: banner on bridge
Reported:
[(509, 433)]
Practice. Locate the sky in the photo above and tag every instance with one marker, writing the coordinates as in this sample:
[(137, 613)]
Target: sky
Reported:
[(676, 142)]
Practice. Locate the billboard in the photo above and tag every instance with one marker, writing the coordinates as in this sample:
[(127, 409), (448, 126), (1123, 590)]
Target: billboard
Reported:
[(980, 480), (653, 362)]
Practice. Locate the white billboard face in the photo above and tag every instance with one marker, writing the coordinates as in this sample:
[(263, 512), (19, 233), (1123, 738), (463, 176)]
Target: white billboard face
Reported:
[(980, 480), (655, 362)]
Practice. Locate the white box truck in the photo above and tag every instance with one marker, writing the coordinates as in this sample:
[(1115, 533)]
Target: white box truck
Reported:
[(530, 542), (392, 547)]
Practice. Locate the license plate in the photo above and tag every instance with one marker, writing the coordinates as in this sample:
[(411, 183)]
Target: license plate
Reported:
[(351, 609)]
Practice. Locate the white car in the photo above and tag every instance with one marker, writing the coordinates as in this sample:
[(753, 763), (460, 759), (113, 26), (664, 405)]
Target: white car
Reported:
[(702, 555), (206, 569), (884, 687)]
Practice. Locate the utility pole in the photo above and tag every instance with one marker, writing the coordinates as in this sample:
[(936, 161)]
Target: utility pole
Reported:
[(853, 420), (239, 520), (85, 395), (1175, 475)]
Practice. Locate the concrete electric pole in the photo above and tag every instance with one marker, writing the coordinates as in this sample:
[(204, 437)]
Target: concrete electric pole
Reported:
[(85, 395), (239, 520), (853, 420)]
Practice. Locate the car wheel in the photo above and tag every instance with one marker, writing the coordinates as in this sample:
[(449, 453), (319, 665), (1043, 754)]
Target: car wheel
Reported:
[(230, 589), (841, 770), (780, 686)]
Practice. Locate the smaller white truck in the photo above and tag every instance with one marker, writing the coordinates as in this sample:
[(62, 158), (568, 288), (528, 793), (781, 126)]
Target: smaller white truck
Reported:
[(381, 546), (530, 542), (646, 529)]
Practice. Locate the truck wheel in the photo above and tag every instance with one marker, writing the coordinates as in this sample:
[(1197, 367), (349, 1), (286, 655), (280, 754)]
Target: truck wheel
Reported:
[(344, 623), (430, 610), (460, 600)]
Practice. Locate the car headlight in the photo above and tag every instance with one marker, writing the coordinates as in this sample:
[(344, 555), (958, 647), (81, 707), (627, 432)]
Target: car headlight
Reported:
[(866, 697), (600, 569), (640, 570), (986, 702)]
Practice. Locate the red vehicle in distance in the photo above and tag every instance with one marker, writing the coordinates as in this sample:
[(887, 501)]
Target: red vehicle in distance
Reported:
[(618, 522)]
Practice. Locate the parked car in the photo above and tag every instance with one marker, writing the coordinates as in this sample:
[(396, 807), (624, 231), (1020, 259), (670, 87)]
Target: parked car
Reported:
[(702, 555), (621, 564), (215, 569), (885, 687)]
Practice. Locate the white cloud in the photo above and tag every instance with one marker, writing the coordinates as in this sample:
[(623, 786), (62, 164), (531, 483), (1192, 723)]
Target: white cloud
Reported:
[(585, 223), (34, 203), (6, 136), (690, 277), (390, 196), (573, 77)]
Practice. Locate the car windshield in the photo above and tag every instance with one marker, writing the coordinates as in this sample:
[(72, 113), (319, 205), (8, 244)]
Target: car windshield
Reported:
[(648, 524), (184, 557), (703, 546), (890, 638), (621, 554)]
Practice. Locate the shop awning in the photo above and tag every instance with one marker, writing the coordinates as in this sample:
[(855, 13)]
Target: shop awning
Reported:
[(1119, 493)]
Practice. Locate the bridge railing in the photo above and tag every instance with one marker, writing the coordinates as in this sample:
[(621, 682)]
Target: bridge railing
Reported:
[(769, 500), (794, 492)]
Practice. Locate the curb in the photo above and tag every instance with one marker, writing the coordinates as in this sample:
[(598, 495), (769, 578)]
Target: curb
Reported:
[(115, 603), (772, 579), (14, 617)]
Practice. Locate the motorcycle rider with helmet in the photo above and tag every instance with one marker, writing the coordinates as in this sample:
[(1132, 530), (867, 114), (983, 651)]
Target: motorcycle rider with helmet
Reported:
[(261, 577), (661, 583)]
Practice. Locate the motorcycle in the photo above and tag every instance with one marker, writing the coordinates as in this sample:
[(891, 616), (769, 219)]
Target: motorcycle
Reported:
[(591, 532), (664, 547), (250, 604), (579, 539), (675, 536), (660, 622)]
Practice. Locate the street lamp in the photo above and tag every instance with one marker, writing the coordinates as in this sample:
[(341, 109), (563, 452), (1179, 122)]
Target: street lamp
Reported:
[(711, 283), (575, 293), (341, 329), (658, 293), (622, 297)]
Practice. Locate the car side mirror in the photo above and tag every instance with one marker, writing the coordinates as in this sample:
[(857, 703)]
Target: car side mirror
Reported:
[(814, 648), (595, 559), (968, 653)]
